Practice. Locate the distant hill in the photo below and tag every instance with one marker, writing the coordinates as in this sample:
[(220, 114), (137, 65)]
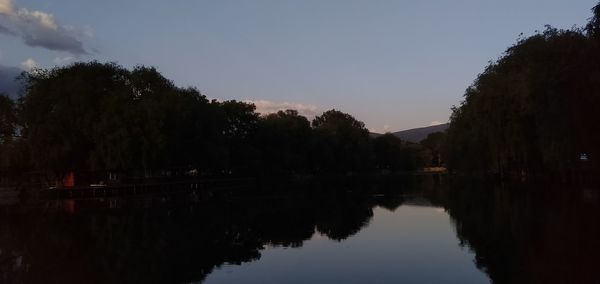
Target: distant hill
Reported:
[(415, 135)]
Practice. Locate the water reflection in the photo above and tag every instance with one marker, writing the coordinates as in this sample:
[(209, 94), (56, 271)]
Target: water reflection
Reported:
[(527, 234), (382, 232), (413, 244), (165, 239)]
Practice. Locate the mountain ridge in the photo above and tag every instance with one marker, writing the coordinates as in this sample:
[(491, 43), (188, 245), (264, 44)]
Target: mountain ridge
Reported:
[(415, 135)]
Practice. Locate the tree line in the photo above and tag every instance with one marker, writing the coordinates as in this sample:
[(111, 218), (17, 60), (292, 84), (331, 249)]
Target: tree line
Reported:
[(534, 111), (92, 116)]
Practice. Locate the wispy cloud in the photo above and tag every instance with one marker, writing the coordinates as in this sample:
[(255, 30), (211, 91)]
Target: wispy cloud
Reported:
[(265, 107), (436, 122), (62, 60), (385, 129), (7, 31), (29, 64), (40, 29)]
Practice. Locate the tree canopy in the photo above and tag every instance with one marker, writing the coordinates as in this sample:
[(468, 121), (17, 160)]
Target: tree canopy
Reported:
[(102, 117), (534, 110)]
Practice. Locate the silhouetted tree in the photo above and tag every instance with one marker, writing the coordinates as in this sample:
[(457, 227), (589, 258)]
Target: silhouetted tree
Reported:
[(100, 116), (435, 142), (593, 26), (91, 116), (393, 154), (284, 140), (61, 109), (8, 119), (341, 143), (8, 127), (388, 151), (241, 124), (532, 112)]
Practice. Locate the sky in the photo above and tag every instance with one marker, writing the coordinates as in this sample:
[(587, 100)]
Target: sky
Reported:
[(393, 64)]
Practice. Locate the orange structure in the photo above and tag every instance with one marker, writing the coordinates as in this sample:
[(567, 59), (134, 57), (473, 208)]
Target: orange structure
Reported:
[(69, 180)]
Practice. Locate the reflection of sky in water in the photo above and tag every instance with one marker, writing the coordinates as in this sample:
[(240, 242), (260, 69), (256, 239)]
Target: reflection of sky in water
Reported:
[(413, 244)]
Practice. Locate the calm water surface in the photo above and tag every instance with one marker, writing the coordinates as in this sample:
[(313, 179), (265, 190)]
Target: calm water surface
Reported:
[(410, 244), (422, 231)]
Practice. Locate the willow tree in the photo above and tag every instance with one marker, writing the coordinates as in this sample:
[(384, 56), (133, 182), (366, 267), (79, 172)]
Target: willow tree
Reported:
[(533, 111), (96, 116)]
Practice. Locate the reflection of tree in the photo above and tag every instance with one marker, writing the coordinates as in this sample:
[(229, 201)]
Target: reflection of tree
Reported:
[(286, 222), (160, 242), (158, 246), (390, 202), (341, 219), (522, 236)]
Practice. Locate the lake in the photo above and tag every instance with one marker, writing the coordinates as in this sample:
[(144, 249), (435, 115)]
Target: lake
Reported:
[(420, 230)]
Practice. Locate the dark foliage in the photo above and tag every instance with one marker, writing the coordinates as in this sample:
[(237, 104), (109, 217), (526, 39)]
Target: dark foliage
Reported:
[(391, 153), (174, 239), (102, 117), (435, 143), (533, 112)]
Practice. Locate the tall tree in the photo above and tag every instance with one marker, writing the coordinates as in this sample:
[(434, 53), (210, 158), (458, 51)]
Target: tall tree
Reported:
[(284, 139), (593, 26), (8, 119), (435, 143), (8, 127), (341, 142), (241, 124), (532, 111), (60, 112)]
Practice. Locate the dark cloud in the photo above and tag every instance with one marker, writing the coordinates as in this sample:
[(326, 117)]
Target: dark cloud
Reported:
[(5, 30), (55, 41), (39, 29), (8, 82)]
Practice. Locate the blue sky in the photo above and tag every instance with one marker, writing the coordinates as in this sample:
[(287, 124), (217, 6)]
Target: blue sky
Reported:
[(392, 64)]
